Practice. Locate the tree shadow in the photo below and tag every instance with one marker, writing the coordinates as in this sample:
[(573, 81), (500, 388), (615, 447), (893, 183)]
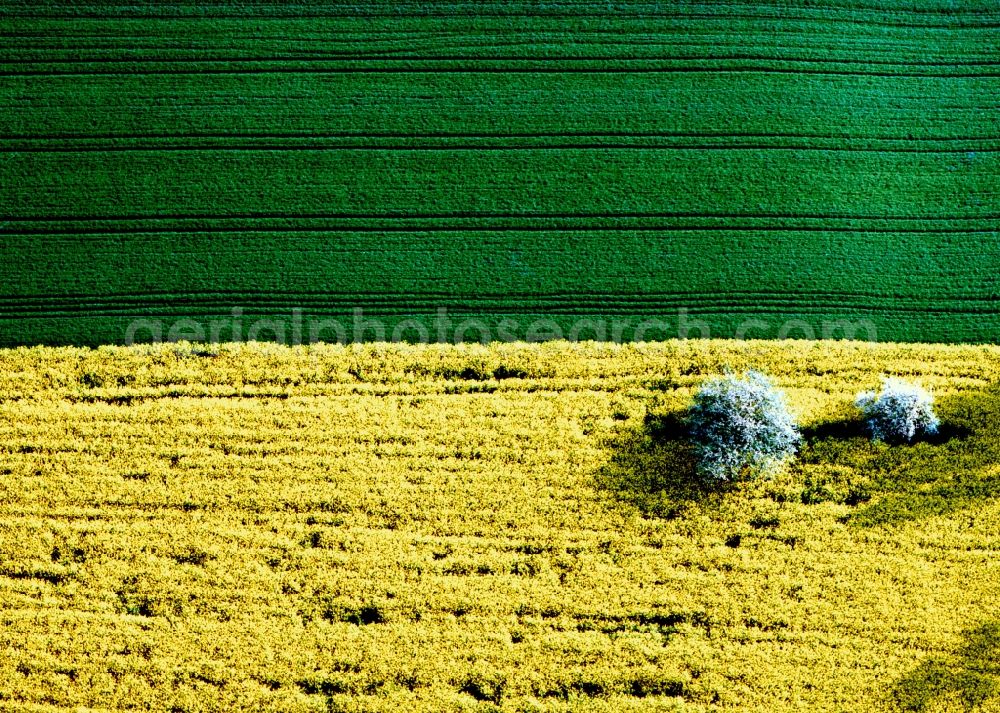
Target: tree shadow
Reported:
[(969, 678), (855, 428), (653, 468), (937, 475)]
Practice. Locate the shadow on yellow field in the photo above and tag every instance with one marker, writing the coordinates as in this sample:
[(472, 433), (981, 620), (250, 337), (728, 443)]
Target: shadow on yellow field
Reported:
[(967, 680), (956, 469), (652, 466)]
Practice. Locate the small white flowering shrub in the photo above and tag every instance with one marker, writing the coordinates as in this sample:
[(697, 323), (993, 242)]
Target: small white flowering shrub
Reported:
[(739, 425), (901, 413)]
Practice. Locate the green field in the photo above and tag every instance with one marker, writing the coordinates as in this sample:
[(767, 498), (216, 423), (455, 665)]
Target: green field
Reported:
[(509, 528), (792, 163)]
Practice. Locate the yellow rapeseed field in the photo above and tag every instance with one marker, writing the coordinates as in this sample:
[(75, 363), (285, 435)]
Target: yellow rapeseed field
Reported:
[(473, 528)]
